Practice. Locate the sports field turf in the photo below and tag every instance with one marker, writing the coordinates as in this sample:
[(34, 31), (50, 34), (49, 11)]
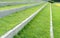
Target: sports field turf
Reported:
[(8, 22), (56, 20), (38, 27)]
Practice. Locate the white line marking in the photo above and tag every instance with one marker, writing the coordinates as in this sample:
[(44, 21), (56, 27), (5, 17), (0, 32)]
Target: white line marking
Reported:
[(51, 24)]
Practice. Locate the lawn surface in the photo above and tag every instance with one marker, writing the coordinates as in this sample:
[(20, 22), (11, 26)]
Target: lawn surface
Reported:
[(56, 20), (39, 27), (8, 22)]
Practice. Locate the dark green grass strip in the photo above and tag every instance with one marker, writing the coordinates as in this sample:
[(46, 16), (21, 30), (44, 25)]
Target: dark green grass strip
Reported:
[(39, 27), (56, 20), (8, 22)]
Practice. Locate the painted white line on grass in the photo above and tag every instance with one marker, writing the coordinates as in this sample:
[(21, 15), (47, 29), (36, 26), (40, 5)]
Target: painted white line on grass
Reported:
[(51, 24), (19, 27)]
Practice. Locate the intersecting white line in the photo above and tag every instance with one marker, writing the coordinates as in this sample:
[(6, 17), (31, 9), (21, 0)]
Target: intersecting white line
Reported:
[(51, 24)]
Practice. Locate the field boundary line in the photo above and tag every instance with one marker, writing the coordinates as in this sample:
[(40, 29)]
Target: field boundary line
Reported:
[(20, 26), (51, 24)]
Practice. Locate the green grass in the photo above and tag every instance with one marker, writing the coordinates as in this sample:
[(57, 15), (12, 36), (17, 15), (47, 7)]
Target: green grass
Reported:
[(14, 6), (8, 22), (39, 27), (56, 20)]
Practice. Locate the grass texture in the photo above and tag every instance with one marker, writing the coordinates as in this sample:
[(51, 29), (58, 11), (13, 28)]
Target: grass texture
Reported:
[(56, 20), (38, 27), (8, 22)]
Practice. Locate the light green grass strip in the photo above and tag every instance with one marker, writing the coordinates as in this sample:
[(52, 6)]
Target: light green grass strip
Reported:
[(56, 20), (39, 27), (12, 20), (14, 6)]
